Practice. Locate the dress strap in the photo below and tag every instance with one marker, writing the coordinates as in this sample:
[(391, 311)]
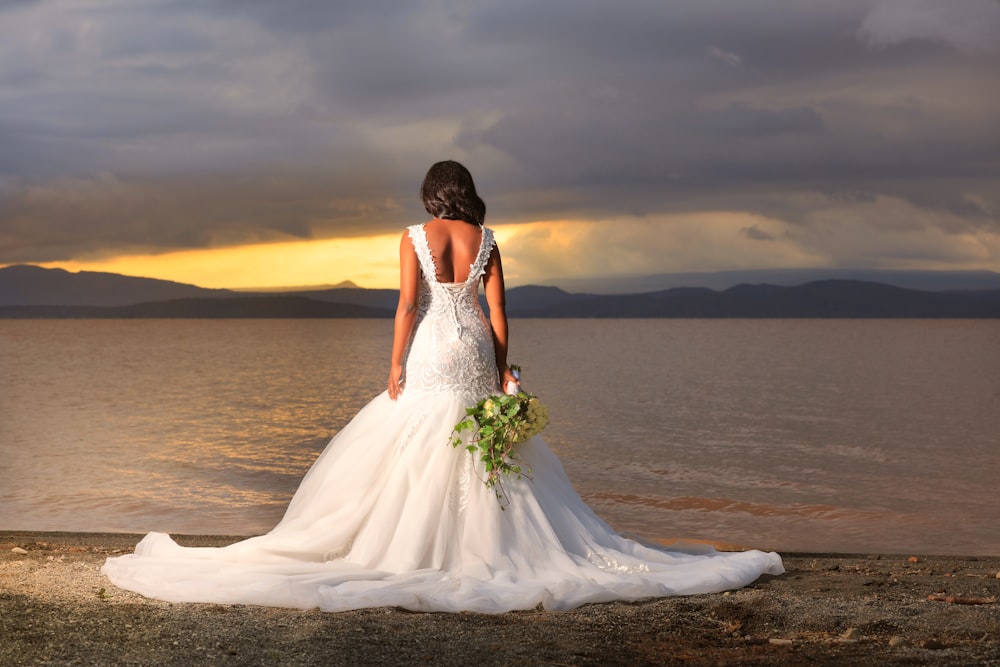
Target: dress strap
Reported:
[(478, 268), (424, 256)]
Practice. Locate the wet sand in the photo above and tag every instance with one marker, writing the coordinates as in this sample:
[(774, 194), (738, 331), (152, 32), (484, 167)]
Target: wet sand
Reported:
[(827, 609)]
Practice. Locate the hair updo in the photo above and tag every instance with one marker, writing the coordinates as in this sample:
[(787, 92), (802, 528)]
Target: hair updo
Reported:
[(449, 193)]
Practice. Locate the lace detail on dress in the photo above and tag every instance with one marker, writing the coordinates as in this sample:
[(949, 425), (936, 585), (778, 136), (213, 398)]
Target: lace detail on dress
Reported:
[(478, 268), (452, 345), (419, 237), (411, 429), (426, 258), (339, 553), (458, 499), (608, 564)]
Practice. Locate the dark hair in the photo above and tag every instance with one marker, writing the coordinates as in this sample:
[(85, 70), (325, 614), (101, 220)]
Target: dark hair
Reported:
[(449, 193)]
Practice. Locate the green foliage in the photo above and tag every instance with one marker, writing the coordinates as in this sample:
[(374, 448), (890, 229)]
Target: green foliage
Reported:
[(496, 424)]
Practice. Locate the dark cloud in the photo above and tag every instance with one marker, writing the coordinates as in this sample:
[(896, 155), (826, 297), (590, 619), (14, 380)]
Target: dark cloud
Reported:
[(756, 233), (178, 125), (966, 25)]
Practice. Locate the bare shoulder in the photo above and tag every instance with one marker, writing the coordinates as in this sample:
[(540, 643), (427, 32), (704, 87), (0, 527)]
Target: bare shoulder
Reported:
[(406, 246)]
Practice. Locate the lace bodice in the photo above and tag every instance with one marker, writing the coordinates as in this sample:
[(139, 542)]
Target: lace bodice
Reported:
[(451, 348)]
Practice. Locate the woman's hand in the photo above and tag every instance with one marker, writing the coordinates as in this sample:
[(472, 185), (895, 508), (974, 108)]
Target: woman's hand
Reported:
[(507, 376), (395, 381)]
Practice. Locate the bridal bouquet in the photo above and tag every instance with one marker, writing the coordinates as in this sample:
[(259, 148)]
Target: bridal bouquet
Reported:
[(497, 423)]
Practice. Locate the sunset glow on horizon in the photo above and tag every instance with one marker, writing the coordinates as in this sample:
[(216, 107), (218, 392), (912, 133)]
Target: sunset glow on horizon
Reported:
[(544, 252), (370, 262)]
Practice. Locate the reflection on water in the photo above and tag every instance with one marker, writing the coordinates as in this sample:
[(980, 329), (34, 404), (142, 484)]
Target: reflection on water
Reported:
[(800, 435)]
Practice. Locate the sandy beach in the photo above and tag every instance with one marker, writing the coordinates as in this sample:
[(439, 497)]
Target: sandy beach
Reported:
[(828, 609)]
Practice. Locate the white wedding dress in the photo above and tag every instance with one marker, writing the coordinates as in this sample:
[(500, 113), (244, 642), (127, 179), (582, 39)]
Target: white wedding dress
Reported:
[(392, 515)]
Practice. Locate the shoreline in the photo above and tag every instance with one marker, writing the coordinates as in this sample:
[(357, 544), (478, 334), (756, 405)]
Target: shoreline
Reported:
[(881, 609)]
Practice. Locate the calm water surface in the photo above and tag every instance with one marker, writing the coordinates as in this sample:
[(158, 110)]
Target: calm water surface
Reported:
[(805, 435)]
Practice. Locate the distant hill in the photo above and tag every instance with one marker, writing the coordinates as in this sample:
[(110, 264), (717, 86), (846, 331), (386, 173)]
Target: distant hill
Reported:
[(932, 281), (827, 298), (59, 294), (371, 298), (35, 286), (25, 285), (344, 284)]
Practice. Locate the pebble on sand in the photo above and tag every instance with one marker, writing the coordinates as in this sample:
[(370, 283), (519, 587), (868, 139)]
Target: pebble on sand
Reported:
[(19, 551)]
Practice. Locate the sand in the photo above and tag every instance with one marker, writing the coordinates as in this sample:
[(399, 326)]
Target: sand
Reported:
[(828, 609)]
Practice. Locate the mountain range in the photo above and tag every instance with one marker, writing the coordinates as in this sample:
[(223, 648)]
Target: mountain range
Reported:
[(35, 292), (933, 281)]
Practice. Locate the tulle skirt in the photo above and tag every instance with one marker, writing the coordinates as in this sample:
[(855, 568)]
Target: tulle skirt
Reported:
[(391, 514)]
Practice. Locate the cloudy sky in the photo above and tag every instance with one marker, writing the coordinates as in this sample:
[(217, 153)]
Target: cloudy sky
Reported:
[(256, 142)]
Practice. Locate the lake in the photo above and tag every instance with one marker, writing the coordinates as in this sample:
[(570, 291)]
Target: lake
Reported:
[(871, 436)]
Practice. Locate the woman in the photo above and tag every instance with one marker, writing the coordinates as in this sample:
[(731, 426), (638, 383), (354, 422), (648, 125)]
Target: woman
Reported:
[(392, 515), (458, 238)]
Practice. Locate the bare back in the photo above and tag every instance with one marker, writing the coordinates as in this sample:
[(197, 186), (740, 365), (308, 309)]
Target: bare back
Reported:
[(454, 246)]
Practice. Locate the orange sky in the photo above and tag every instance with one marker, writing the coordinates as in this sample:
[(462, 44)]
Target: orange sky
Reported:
[(545, 251), (370, 262), (367, 261)]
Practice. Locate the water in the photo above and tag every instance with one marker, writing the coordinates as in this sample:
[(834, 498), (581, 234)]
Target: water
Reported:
[(798, 435)]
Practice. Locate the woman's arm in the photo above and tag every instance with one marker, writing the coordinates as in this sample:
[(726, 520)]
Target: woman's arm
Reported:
[(406, 311), (496, 298)]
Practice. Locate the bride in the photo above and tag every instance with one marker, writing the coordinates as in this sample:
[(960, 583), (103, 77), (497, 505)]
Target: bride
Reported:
[(391, 514)]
